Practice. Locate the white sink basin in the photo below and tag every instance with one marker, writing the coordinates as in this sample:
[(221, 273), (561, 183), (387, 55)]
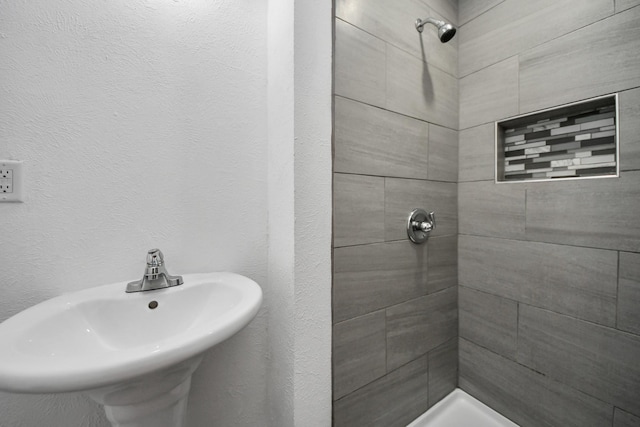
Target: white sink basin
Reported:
[(100, 338)]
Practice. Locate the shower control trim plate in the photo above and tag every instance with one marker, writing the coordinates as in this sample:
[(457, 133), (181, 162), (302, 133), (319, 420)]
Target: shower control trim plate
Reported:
[(420, 224)]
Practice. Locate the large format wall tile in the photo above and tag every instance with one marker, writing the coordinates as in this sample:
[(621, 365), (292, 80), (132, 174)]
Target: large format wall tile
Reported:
[(577, 281), (370, 277), (443, 370), (629, 292), (354, 195), (609, 50), (489, 321), (396, 120), (420, 90), (443, 154), (490, 209), (517, 25), (391, 401), (359, 352), (625, 419), (490, 94), (476, 157), (359, 65), (395, 25), (556, 346), (470, 9), (629, 130), (404, 195), (524, 396), (443, 262), (599, 213), (420, 325), (516, 57), (372, 141)]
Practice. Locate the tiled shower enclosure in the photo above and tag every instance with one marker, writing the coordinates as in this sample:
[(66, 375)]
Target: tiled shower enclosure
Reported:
[(528, 294), (394, 303)]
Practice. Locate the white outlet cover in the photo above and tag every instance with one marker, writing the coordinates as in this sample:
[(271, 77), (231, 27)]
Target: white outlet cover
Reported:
[(11, 183)]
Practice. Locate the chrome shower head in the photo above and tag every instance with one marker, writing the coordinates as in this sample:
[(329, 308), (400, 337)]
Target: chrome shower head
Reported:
[(446, 31)]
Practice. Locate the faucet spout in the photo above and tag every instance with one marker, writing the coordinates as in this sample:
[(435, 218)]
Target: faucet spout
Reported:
[(155, 275)]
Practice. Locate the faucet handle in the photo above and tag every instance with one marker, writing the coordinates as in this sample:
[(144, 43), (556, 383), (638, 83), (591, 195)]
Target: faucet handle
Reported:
[(419, 224), (155, 258)]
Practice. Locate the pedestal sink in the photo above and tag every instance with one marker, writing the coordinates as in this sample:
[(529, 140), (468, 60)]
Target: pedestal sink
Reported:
[(132, 352)]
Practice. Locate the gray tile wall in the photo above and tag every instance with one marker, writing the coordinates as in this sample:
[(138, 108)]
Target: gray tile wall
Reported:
[(549, 280), (395, 308), (516, 26), (525, 396), (630, 129), (611, 58)]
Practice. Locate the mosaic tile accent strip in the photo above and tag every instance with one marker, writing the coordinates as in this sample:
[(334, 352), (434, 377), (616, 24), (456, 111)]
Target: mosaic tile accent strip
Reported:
[(570, 142)]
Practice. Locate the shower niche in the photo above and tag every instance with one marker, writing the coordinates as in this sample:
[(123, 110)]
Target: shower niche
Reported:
[(572, 141)]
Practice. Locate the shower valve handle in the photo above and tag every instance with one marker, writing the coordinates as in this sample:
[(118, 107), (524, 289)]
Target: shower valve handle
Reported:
[(427, 225), (420, 224)]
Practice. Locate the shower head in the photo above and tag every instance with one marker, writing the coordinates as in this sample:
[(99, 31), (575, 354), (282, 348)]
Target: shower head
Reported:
[(446, 31)]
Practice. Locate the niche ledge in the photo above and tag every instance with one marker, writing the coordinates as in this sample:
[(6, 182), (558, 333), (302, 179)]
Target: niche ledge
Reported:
[(572, 141)]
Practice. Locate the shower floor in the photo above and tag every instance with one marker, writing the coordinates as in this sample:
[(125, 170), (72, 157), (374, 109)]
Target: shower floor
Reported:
[(459, 409)]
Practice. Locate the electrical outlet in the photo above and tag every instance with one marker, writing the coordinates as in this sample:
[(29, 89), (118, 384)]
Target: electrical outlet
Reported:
[(11, 189)]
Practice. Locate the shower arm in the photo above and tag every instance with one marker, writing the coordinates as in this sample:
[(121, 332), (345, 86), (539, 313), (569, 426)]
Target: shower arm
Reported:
[(420, 23)]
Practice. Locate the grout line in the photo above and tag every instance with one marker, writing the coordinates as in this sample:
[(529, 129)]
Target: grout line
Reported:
[(518, 78), (524, 239), (487, 180), (617, 291), (547, 108), (485, 292), (404, 239), (393, 112), (425, 355), (386, 77), (395, 46), (384, 209), (578, 319), (444, 16), (481, 13), (385, 375), (544, 376), (413, 298), (394, 177), (359, 316), (624, 10), (428, 377), (426, 166), (541, 44), (439, 291), (517, 329), (386, 342), (613, 415)]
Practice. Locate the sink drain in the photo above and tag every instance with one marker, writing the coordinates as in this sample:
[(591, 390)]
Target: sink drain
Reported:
[(153, 304)]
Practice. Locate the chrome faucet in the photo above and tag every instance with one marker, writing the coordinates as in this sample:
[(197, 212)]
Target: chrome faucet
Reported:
[(155, 275)]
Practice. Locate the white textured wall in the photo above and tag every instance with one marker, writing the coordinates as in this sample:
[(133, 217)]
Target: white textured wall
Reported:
[(281, 156), (299, 294), (142, 123), (313, 37)]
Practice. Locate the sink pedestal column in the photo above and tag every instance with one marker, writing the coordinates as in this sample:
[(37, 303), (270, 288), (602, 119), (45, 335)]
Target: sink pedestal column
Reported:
[(158, 399)]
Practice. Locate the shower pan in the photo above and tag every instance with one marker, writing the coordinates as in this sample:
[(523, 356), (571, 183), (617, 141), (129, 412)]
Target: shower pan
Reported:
[(460, 409)]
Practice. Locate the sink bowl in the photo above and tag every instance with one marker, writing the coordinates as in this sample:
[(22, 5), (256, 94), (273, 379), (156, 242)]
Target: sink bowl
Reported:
[(124, 349)]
